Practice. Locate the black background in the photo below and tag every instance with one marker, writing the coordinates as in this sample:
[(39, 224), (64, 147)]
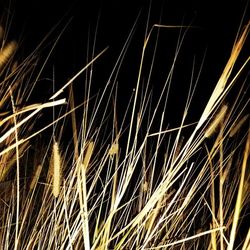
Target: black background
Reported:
[(216, 22)]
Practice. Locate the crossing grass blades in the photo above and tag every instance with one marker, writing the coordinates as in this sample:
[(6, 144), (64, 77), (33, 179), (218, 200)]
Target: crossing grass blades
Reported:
[(131, 183)]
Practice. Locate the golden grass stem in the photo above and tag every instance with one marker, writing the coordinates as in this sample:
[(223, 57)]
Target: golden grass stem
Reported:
[(238, 205), (188, 238), (246, 245), (76, 75), (220, 86), (82, 192), (17, 173), (221, 191)]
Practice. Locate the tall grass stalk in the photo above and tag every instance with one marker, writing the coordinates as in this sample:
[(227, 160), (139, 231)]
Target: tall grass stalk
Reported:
[(130, 180)]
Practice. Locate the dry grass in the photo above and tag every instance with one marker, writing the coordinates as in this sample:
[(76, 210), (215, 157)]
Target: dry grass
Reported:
[(126, 184), (57, 169)]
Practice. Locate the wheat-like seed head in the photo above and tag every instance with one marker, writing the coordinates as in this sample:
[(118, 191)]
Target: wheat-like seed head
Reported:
[(7, 52), (36, 176), (56, 169), (218, 118), (114, 148), (238, 125)]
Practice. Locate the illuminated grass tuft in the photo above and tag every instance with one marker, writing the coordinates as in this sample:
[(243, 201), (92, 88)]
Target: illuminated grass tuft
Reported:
[(127, 180)]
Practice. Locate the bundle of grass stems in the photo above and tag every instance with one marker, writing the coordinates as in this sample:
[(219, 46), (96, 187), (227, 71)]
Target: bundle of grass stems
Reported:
[(130, 183)]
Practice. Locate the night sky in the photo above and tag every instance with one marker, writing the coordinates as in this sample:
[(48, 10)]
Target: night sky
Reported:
[(216, 24)]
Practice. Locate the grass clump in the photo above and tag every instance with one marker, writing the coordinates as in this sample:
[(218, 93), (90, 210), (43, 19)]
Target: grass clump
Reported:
[(124, 181)]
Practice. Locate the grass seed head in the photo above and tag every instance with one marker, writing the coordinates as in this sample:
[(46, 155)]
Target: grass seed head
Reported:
[(7, 51), (57, 169)]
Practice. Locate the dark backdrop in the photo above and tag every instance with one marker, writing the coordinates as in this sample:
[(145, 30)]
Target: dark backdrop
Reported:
[(216, 23)]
